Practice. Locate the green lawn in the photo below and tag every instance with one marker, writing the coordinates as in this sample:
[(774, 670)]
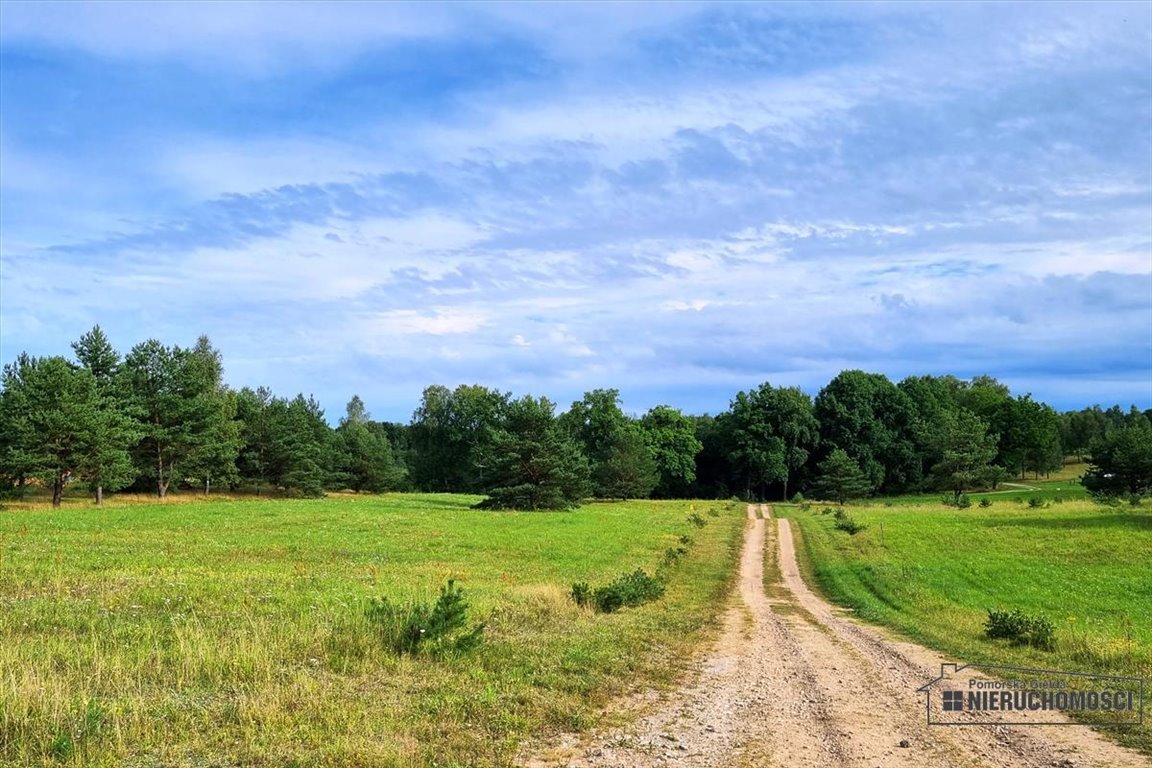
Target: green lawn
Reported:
[(933, 572), (227, 633)]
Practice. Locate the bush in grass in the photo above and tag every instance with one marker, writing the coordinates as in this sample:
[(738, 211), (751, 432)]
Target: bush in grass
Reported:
[(629, 591), (697, 520), (1035, 502), (797, 498), (416, 627), (985, 503), (846, 523), (963, 502), (1020, 628)]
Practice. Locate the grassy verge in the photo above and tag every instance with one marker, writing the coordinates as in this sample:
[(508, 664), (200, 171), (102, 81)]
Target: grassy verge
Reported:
[(233, 633), (933, 572)]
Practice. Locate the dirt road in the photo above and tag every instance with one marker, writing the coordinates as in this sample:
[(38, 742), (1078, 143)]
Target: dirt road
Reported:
[(793, 682)]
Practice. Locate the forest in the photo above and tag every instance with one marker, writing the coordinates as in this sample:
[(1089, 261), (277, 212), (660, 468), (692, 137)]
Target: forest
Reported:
[(162, 417)]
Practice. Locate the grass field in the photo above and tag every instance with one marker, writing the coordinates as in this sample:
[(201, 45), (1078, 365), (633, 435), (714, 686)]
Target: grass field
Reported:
[(933, 572), (227, 633)]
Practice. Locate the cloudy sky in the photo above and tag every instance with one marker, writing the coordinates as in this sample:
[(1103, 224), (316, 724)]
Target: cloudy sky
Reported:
[(679, 201)]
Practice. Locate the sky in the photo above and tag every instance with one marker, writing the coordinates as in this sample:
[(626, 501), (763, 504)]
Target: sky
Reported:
[(679, 201)]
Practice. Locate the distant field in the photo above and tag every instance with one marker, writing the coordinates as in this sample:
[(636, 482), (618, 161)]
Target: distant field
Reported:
[(1061, 485), (933, 572), (229, 633)]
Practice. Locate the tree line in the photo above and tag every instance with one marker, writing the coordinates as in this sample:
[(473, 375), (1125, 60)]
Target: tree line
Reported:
[(162, 416)]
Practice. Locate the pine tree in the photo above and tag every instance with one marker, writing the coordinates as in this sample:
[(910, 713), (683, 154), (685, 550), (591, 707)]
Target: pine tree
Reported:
[(536, 464), (841, 478)]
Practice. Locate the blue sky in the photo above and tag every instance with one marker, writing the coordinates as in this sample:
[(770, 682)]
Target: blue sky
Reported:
[(679, 201)]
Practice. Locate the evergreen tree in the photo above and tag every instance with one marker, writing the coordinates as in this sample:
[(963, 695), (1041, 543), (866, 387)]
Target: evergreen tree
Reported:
[(106, 463), (1121, 462), (965, 448), (367, 462), (536, 464), (840, 478), (60, 428)]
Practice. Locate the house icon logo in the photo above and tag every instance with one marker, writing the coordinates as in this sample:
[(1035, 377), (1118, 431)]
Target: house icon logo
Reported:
[(984, 694)]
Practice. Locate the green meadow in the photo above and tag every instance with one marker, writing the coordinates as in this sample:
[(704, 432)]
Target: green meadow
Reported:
[(933, 572), (233, 632)]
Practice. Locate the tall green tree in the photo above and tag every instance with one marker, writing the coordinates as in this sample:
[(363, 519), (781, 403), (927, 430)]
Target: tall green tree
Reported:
[(1029, 435), (185, 413), (1121, 462), (620, 462), (536, 463), (771, 432), (965, 449), (105, 461), (255, 417), (367, 462), (451, 438), (875, 423), (95, 353), (216, 439), (840, 478), (301, 448), (629, 470), (20, 459), (671, 439), (59, 426)]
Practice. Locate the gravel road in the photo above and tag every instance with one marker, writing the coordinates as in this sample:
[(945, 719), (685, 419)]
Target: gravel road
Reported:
[(794, 681)]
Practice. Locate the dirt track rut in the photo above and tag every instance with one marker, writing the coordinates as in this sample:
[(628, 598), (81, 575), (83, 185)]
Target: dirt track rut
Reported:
[(793, 682)]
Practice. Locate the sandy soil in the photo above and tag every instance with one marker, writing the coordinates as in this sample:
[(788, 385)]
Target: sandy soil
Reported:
[(793, 681)]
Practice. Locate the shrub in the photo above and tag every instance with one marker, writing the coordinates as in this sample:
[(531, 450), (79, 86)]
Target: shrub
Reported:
[(1135, 498), (630, 590), (697, 520), (1035, 502), (672, 555), (581, 593), (416, 627), (963, 502), (804, 507), (1020, 628), (985, 503), (797, 498), (847, 524)]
